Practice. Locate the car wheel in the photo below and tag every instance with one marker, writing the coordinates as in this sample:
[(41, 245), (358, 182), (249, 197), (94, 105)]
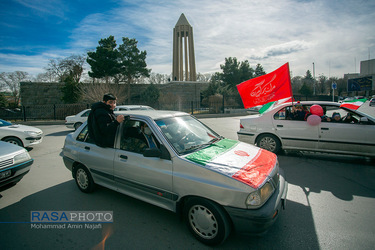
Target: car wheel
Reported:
[(207, 221), (84, 179), (14, 140), (77, 125), (269, 142)]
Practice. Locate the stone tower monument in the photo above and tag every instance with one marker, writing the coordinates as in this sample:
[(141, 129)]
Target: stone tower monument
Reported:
[(183, 51)]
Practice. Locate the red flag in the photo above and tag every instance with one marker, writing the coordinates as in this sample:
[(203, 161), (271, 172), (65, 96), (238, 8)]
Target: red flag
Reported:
[(267, 88)]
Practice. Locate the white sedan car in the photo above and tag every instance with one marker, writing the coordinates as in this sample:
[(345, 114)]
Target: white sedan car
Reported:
[(353, 133), (75, 121), (20, 135)]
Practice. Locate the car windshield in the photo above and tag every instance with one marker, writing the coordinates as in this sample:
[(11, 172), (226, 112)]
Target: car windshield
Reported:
[(4, 123), (186, 134)]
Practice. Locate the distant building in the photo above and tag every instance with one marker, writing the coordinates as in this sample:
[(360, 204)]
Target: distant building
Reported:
[(183, 51)]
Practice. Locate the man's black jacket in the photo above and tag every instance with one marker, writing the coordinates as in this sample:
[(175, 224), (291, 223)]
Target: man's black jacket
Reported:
[(102, 124)]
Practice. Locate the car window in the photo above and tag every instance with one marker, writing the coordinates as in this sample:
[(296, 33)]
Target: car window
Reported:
[(4, 123), (134, 137), (186, 134), (86, 114), (83, 136)]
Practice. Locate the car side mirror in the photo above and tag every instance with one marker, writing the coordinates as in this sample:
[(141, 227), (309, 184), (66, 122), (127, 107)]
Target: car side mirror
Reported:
[(363, 120), (162, 153), (152, 152)]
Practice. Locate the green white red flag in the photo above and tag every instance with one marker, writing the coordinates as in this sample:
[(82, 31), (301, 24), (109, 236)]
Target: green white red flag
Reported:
[(267, 88), (353, 104), (268, 106), (243, 162)]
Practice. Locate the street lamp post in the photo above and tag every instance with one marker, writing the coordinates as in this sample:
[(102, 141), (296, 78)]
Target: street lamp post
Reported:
[(314, 76)]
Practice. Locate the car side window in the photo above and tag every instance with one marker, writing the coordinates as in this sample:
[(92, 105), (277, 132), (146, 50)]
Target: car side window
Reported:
[(83, 136), (281, 114), (86, 114), (136, 137)]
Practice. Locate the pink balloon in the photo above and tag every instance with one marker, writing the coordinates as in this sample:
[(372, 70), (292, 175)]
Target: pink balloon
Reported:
[(313, 120), (316, 110)]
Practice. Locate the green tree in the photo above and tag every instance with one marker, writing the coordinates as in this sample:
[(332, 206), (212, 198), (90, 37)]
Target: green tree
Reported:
[(259, 71), (132, 62), (71, 92), (321, 84), (3, 101), (104, 61), (305, 90), (151, 95), (235, 72)]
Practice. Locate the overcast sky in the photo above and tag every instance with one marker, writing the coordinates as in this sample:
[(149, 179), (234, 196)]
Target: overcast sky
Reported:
[(335, 35)]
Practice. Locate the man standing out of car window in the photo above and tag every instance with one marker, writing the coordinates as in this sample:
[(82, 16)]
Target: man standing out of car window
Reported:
[(102, 122)]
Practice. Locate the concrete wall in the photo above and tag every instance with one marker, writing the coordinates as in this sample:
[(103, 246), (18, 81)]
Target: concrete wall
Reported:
[(40, 93)]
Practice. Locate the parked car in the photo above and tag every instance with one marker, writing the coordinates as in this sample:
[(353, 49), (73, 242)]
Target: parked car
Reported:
[(275, 130), (213, 182), (372, 102), (20, 135), (15, 162), (75, 121)]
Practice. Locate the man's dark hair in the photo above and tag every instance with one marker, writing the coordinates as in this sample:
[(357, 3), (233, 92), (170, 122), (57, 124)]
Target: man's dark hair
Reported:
[(109, 96)]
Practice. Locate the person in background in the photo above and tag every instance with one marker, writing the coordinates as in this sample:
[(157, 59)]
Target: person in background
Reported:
[(336, 117)]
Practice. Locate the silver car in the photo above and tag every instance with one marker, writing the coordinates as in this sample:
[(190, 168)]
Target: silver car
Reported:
[(352, 133), (15, 162), (216, 184)]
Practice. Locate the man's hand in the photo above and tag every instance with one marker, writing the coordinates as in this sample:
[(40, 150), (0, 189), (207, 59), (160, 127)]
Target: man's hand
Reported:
[(120, 118)]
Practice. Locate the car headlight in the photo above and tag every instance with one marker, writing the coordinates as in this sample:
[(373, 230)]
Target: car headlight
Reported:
[(21, 158), (260, 196), (32, 133)]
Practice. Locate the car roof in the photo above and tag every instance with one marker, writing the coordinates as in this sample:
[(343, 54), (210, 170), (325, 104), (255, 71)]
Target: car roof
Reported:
[(153, 114)]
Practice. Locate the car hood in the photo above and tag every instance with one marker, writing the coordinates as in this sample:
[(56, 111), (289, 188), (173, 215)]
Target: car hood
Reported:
[(241, 161), (9, 148), (22, 128)]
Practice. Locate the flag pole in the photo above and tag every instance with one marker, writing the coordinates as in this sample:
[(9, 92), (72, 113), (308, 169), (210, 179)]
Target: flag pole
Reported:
[(290, 80)]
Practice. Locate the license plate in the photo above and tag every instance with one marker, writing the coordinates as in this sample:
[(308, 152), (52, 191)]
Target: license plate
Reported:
[(5, 174)]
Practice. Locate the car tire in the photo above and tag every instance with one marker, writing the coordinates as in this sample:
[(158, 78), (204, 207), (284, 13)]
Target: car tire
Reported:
[(84, 179), (269, 142), (14, 140), (77, 125), (207, 221)]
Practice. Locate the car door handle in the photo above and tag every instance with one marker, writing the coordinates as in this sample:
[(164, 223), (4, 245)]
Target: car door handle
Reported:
[(123, 157), (87, 148), (280, 126), (324, 128)]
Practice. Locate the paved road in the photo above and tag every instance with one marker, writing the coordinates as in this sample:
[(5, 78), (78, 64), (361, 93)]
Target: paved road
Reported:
[(330, 205)]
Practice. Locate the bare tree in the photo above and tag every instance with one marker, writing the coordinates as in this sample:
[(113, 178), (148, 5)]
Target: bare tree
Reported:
[(63, 67), (93, 92), (10, 81)]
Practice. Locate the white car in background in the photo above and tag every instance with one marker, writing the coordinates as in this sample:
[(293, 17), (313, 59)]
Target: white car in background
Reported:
[(75, 121), (274, 130), (21, 135)]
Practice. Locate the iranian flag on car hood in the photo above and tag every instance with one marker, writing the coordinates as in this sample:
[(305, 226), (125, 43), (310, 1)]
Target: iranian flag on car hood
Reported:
[(243, 162)]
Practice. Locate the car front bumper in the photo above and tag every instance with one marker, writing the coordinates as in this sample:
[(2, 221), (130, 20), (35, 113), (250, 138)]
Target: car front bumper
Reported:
[(16, 172), (69, 124), (258, 221)]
